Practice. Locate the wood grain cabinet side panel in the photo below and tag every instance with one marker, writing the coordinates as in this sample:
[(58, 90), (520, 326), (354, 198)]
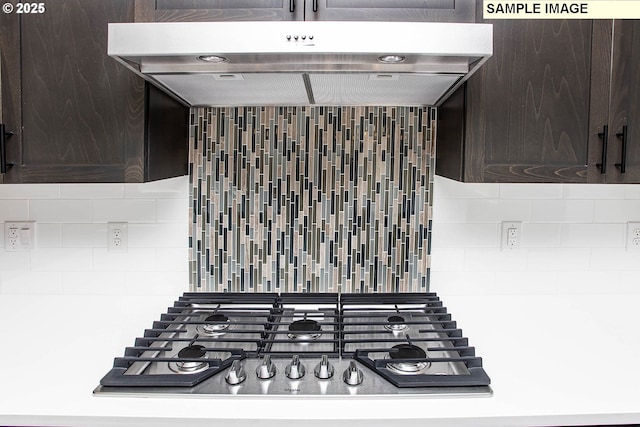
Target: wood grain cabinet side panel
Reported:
[(166, 136)]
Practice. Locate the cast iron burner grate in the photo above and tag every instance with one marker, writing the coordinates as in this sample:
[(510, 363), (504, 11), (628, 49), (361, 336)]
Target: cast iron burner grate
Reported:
[(200, 336), (409, 340), (306, 325)]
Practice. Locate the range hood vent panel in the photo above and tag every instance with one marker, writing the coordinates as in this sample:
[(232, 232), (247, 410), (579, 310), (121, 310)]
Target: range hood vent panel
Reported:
[(274, 60), (379, 89), (237, 89)]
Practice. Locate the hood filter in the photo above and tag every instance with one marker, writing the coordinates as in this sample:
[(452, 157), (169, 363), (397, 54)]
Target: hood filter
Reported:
[(307, 89)]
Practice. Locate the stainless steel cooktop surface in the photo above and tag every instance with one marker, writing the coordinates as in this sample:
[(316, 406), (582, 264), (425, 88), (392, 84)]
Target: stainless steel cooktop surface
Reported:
[(300, 345)]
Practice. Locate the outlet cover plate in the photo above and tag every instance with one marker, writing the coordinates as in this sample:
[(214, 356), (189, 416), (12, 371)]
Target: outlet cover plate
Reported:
[(633, 237), (117, 237), (511, 235), (19, 236)]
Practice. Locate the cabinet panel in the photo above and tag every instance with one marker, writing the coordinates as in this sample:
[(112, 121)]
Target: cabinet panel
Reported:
[(65, 104), (78, 115), (534, 102), (10, 89), (166, 136), (601, 45), (526, 111), (625, 103), (386, 10), (311, 10), (227, 10)]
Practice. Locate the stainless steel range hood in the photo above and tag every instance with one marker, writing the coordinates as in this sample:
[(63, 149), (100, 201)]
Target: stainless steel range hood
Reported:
[(303, 63)]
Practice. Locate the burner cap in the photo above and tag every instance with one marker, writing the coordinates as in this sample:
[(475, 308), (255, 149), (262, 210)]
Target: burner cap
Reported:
[(407, 351), (304, 325), (217, 325), (195, 351), (396, 323), (217, 317), (395, 319), (304, 329)]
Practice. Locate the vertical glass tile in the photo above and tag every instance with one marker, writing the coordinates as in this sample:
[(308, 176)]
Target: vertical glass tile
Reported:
[(310, 199)]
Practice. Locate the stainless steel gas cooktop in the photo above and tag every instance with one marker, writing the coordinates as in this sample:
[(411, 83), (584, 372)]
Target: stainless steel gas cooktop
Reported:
[(300, 344)]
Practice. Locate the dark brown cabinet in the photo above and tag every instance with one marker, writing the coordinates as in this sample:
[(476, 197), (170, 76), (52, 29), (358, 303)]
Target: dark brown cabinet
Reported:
[(76, 114), (222, 10), (311, 10), (390, 10), (537, 110), (524, 116), (623, 148)]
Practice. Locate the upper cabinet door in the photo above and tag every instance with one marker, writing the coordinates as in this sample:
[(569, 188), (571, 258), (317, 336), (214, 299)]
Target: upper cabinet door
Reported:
[(534, 111), (527, 108), (624, 117), (77, 114), (222, 10), (309, 10), (390, 10), (559, 101)]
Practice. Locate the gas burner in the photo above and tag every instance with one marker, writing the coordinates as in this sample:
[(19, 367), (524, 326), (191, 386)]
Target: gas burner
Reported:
[(408, 351), (217, 325), (304, 330), (258, 344), (194, 351), (396, 323)]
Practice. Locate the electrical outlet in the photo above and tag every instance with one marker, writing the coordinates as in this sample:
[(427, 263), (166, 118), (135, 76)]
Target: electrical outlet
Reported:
[(511, 235), (633, 237), (117, 236), (19, 236)]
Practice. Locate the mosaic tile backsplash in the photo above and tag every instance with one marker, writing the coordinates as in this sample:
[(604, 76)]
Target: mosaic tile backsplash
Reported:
[(311, 199)]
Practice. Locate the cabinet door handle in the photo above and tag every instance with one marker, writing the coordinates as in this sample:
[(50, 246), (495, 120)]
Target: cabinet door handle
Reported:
[(292, 6), (4, 135), (623, 159), (315, 6), (605, 139)]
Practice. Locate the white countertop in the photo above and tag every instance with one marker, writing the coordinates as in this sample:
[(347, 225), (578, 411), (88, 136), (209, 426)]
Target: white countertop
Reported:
[(553, 360)]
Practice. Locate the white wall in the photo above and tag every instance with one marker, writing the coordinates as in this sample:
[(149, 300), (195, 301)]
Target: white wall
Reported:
[(573, 238), (71, 254)]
